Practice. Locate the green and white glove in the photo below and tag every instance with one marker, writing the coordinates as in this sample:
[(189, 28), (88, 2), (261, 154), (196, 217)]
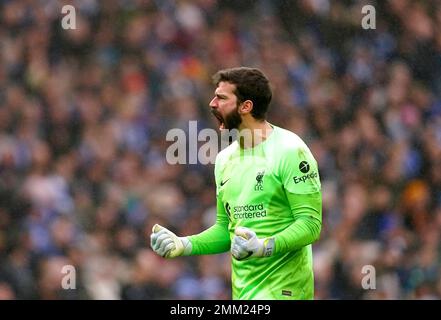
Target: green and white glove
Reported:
[(167, 244), (245, 245)]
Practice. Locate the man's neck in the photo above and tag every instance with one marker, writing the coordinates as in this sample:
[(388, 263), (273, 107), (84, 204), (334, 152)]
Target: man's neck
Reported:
[(254, 133)]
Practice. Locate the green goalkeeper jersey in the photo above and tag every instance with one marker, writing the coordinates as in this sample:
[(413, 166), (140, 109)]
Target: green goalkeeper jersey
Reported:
[(273, 189)]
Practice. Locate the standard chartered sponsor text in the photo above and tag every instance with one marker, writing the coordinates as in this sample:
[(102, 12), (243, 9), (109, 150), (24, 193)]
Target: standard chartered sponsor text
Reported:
[(249, 211)]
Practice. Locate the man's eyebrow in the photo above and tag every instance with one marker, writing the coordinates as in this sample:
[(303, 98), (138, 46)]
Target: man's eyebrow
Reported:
[(220, 95)]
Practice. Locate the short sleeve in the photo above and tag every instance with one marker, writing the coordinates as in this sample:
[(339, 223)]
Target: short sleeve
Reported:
[(298, 171)]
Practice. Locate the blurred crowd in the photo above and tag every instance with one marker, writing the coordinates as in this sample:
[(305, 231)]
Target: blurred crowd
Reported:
[(84, 115)]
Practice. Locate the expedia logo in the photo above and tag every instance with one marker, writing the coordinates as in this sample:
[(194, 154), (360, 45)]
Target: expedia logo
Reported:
[(249, 211), (304, 167), (304, 178)]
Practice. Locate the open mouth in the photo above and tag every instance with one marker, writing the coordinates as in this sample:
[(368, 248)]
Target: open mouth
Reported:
[(219, 118)]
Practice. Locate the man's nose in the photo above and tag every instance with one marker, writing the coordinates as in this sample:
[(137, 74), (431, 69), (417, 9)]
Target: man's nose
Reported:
[(213, 103)]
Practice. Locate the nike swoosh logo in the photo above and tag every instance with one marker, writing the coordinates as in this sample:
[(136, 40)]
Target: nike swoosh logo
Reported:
[(224, 182)]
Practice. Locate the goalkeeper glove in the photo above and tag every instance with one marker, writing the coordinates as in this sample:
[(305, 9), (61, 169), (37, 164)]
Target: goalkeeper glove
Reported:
[(245, 244), (167, 244)]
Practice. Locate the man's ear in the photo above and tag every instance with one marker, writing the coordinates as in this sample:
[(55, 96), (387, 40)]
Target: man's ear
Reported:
[(246, 107)]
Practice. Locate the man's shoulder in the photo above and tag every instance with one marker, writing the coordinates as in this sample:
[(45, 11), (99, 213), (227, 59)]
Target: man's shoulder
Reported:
[(225, 154), (288, 140), (291, 150)]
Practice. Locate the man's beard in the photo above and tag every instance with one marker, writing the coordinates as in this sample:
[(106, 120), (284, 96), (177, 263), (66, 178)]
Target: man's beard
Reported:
[(231, 121)]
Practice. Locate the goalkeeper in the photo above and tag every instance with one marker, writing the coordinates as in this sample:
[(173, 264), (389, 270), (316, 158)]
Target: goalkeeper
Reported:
[(269, 205)]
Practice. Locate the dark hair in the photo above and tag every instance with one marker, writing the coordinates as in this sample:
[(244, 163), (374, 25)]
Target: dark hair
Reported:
[(251, 84)]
